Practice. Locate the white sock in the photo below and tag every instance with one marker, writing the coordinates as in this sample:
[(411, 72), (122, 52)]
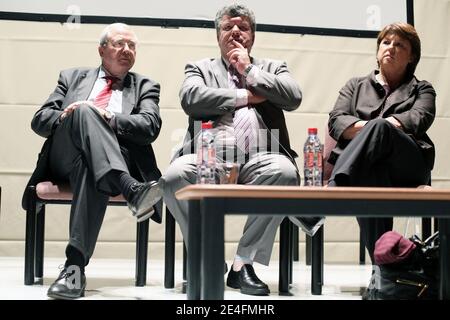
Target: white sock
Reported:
[(239, 262)]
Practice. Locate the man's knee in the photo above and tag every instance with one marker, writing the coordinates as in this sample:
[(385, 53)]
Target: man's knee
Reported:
[(289, 175), (84, 108), (85, 111), (283, 170), (179, 172)]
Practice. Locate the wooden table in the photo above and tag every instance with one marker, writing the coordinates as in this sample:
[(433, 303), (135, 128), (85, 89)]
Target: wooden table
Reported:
[(208, 205)]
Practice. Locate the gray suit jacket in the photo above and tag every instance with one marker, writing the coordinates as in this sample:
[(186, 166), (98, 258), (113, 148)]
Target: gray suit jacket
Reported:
[(363, 98), (205, 95), (137, 126)]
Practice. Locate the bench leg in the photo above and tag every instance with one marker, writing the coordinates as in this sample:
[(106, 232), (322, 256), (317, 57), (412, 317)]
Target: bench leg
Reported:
[(184, 285), (308, 250), (29, 247), (39, 246), (184, 260), (291, 248), (295, 248), (169, 259), (141, 253), (362, 249), (30, 237)]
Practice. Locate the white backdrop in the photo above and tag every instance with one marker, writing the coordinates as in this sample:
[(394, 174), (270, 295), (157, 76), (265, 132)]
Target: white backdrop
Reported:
[(366, 15)]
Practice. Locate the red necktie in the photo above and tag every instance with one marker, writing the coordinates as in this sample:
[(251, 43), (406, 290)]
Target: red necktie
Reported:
[(102, 99)]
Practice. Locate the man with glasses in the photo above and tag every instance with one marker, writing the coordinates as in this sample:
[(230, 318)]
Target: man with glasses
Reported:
[(100, 124)]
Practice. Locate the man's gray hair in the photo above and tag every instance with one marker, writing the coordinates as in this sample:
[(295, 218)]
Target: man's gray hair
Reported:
[(104, 36), (235, 10)]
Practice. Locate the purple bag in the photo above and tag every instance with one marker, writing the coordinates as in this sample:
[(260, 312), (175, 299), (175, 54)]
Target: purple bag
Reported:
[(406, 268), (392, 247)]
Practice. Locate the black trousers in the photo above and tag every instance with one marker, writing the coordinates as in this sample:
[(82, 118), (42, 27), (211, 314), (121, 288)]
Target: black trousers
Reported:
[(380, 155), (84, 150)]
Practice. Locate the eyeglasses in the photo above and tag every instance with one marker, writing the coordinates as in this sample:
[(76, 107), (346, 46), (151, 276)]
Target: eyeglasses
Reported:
[(120, 44)]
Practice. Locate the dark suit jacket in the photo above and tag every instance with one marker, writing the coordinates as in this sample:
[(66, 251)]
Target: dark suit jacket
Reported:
[(205, 95), (137, 126), (412, 104)]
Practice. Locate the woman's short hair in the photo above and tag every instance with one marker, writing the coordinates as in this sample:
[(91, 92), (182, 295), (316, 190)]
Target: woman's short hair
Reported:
[(407, 32)]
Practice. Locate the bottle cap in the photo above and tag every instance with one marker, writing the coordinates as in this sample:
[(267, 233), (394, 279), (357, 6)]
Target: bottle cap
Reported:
[(206, 125), (312, 130)]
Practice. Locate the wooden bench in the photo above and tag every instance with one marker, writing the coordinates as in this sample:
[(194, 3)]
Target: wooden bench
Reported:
[(208, 205)]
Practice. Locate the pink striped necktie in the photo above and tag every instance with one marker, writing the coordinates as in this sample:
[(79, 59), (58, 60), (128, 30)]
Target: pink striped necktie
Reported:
[(103, 97), (244, 119)]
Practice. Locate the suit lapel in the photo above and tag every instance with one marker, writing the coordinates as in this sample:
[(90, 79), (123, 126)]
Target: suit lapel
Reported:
[(398, 96), (128, 94), (220, 73), (86, 83)]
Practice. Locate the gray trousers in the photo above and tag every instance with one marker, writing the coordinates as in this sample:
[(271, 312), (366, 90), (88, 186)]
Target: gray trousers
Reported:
[(263, 168), (83, 151)]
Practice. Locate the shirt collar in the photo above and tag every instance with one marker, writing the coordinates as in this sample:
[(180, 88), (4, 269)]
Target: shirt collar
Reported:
[(102, 73), (226, 63), (385, 85)]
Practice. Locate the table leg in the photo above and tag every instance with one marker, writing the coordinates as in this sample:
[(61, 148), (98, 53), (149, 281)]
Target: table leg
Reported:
[(193, 259), (283, 276), (317, 262), (212, 253)]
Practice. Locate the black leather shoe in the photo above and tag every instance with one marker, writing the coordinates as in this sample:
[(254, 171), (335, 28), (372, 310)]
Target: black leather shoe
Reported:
[(143, 197), (247, 281), (309, 225), (68, 286)]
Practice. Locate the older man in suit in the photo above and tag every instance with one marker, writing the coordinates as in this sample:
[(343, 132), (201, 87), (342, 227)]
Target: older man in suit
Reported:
[(245, 98), (99, 124)]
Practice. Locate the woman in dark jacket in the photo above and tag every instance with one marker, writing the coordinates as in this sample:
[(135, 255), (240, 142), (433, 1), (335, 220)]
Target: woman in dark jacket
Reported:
[(380, 123)]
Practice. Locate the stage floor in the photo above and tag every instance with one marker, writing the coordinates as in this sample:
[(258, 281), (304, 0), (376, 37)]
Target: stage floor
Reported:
[(114, 279)]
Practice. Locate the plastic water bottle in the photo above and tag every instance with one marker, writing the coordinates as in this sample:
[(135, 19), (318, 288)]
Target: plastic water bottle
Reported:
[(206, 155), (313, 159)]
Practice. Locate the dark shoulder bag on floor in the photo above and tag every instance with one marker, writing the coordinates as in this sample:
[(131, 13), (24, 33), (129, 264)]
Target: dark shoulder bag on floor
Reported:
[(407, 269)]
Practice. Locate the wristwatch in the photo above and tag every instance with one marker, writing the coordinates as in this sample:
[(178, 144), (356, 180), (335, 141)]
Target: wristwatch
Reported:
[(247, 70)]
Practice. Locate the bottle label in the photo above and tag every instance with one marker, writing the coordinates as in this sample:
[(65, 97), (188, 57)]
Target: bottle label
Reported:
[(319, 159), (211, 155), (309, 159)]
